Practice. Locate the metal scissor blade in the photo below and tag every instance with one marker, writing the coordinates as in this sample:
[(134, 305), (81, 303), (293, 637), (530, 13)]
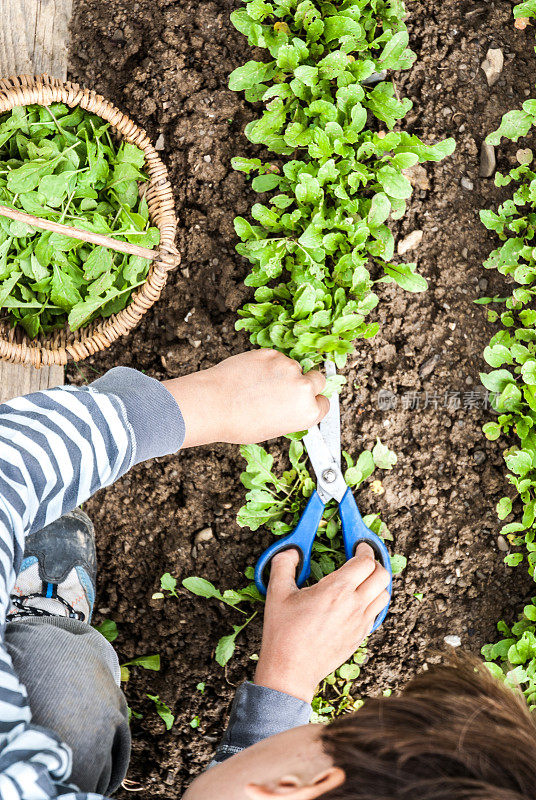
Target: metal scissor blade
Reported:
[(330, 427), (330, 480)]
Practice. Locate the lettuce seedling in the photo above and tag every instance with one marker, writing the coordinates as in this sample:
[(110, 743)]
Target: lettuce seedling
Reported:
[(512, 383), (318, 239)]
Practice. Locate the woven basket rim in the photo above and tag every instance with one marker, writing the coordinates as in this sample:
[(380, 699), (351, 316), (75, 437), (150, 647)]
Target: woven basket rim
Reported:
[(63, 345)]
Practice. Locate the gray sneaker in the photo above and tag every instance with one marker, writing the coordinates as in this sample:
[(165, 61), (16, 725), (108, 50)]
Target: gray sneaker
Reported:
[(59, 571)]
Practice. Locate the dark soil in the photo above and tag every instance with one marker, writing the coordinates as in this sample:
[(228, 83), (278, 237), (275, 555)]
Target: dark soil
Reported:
[(166, 64)]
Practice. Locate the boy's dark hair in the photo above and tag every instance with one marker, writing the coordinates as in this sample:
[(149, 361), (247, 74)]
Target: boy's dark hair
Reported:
[(454, 733)]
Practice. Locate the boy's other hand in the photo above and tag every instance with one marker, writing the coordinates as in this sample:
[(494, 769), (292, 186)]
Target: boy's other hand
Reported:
[(249, 398), (308, 633)]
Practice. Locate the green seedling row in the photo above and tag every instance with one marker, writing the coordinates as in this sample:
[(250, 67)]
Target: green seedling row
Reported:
[(334, 171), (318, 239), (512, 380)]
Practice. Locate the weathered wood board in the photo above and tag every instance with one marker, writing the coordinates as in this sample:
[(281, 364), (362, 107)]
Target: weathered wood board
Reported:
[(34, 36), (16, 379)]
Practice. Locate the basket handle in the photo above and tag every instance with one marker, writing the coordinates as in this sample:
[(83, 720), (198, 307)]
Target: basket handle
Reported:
[(77, 233)]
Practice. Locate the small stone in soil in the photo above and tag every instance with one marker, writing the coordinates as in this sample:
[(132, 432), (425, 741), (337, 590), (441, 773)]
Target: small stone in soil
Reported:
[(479, 457), (467, 184), (418, 177), (160, 143), (428, 367), (493, 65), (453, 641), (411, 241), (169, 780), (204, 535), (502, 544), (488, 161)]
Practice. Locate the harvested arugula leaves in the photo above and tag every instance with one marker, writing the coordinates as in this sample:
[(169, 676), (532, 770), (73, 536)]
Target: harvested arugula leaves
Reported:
[(62, 164)]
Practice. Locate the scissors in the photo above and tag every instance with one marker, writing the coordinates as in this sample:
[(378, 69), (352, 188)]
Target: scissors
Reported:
[(323, 445)]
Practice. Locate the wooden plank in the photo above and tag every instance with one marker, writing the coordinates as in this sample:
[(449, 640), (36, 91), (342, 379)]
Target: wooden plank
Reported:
[(16, 379), (34, 35)]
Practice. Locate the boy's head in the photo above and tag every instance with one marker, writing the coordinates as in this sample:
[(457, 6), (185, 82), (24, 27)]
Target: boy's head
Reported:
[(454, 733)]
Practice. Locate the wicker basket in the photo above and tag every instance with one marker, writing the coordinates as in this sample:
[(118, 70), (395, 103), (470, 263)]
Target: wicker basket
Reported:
[(61, 346)]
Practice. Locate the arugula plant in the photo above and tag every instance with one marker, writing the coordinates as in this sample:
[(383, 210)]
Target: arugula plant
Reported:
[(63, 165), (147, 662), (319, 242), (318, 239), (512, 382), (163, 711), (276, 501), (108, 629)]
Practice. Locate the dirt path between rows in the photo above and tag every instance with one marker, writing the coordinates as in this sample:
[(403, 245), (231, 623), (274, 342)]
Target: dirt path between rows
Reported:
[(166, 64)]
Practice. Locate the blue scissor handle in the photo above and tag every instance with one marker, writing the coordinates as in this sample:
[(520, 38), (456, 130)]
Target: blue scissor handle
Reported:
[(354, 532), (301, 539)]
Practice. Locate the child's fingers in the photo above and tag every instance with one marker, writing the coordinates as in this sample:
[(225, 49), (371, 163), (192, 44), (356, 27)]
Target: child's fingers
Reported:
[(283, 574), (317, 380), (377, 605), (357, 569), (373, 586), (323, 407)]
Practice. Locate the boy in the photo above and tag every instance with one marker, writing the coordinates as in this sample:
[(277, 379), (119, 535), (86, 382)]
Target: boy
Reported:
[(63, 718), (455, 733)]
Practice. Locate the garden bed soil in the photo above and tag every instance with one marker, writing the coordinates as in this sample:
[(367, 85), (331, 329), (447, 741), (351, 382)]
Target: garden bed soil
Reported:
[(166, 64)]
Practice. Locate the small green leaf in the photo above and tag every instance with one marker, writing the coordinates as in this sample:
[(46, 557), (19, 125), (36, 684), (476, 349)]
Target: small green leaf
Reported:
[(513, 125), (249, 75), (379, 210), (108, 629), (398, 563), (225, 649), (201, 587), (349, 672), (163, 711), (98, 261), (147, 662), (169, 583), (7, 286), (504, 507), (406, 277), (383, 457), (63, 291), (513, 559)]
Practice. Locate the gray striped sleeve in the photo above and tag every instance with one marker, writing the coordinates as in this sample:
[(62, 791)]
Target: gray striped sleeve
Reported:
[(151, 410)]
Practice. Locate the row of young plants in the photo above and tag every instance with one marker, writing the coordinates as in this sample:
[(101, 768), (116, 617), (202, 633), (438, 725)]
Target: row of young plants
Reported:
[(512, 381), (332, 176)]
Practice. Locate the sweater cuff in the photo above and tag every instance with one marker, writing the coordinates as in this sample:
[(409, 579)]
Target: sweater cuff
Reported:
[(256, 714), (152, 412)]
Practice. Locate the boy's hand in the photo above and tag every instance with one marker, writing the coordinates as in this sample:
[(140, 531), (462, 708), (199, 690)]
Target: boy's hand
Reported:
[(249, 398), (310, 632)]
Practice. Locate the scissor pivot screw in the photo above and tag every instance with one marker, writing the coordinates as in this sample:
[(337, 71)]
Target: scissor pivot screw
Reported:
[(329, 475)]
